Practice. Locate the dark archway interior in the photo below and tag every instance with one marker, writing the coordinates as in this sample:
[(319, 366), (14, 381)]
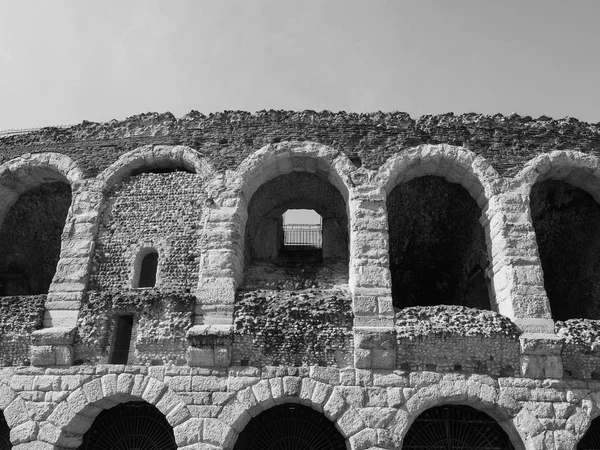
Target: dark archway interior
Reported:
[(566, 220), (5, 443), (290, 427), (591, 439), (437, 245), (297, 190), (133, 425), (455, 427), (30, 239)]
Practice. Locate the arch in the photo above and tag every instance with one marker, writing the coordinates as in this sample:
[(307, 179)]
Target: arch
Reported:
[(75, 415), (30, 171), (459, 425), (290, 426), (130, 425), (155, 156), (476, 392), (251, 401), (455, 164), (576, 168), (17, 416), (562, 191), (280, 159)]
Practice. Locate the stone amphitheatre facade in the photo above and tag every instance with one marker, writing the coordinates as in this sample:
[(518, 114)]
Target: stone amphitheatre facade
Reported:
[(452, 301)]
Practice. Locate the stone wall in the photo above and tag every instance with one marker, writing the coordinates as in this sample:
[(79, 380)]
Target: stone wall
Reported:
[(162, 211), (226, 138), (218, 340), (209, 407)]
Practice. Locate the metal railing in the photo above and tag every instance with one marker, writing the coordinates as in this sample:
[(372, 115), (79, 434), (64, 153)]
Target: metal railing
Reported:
[(303, 236)]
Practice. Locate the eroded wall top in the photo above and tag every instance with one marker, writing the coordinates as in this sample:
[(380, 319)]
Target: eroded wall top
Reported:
[(226, 138)]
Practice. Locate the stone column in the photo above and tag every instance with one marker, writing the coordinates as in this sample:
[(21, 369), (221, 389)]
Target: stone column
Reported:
[(53, 345), (370, 280), (221, 272), (519, 284)]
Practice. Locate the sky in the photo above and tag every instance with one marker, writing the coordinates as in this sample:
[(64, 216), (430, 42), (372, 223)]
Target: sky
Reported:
[(65, 61)]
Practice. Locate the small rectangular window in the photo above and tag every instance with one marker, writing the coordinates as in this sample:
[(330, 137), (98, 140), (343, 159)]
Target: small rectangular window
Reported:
[(122, 340)]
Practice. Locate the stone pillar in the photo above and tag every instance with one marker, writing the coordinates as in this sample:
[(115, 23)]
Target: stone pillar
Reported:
[(53, 344), (221, 272), (519, 283), (370, 280)]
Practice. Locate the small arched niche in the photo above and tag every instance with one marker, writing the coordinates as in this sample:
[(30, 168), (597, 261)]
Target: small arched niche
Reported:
[(566, 220), (145, 269), (133, 425), (437, 245), (30, 239), (455, 426), (290, 426)]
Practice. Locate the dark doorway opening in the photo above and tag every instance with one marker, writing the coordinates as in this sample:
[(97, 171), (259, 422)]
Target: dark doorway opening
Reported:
[(290, 427), (591, 439), (123, 329), (133, 425), (455, 427)]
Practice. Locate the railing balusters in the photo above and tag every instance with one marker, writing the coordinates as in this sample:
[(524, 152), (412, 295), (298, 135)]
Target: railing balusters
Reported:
[(302, 236)]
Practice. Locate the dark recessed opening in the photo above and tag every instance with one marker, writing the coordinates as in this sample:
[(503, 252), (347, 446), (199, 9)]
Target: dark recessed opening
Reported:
[(148, 270), (123, 329)]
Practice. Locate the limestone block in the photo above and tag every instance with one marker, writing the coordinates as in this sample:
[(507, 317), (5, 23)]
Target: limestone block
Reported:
[(167, 402), (276, 389), (53, 336), (189, 432), (306, 390), (335, 405), (217, 433), (321, 393), (291, 386), (235, 415), (24, 433), (7, 395), (154, 391), (208, 383), (528, 424), (362, 358), (395, 397), (43, 355), (125, 383), (262, 392), (350, 423), (329, 375), (16, 413), (238, 383), (377, 417), (364, 439)]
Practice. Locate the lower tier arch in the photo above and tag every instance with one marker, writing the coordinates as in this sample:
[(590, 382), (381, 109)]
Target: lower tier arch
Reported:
[(133, 425), (290, 427), (456, 427)]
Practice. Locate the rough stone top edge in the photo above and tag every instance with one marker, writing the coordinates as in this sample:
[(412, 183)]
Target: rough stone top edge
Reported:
[(163, 123)]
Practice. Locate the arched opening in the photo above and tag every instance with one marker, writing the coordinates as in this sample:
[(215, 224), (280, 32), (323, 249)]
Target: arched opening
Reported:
[(566, 220), (270, 242), (591, 438), (5, 443), (455, 427), (290, 427), (160, 209), (30, 239), (148, 270), (437, 246), (133, 425)]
